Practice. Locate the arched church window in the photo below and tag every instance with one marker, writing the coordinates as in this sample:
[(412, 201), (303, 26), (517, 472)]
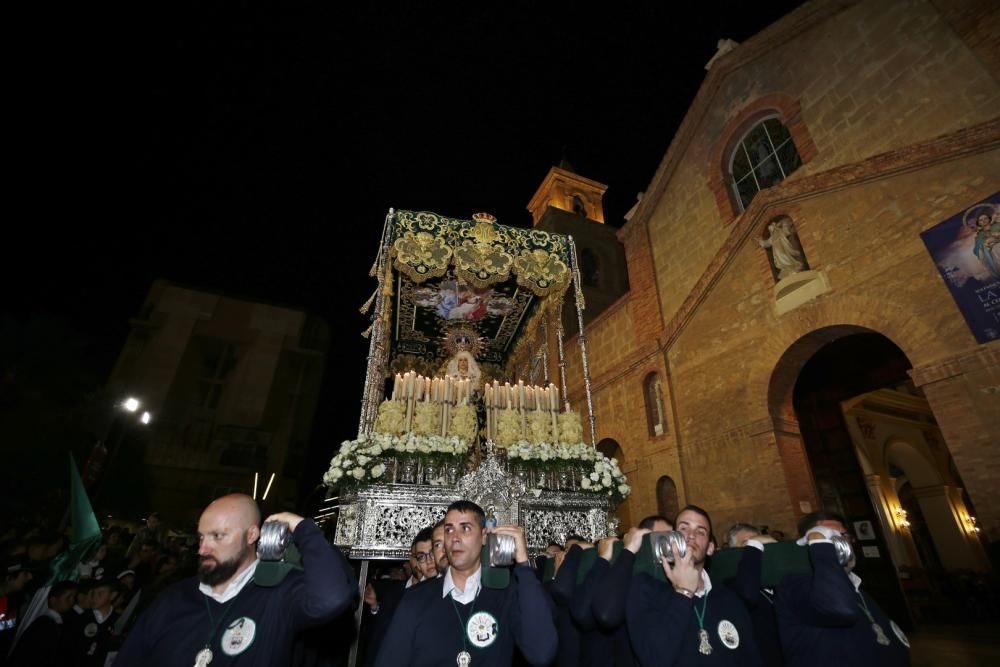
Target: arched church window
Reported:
[(666, 497), (610, 448), (765, 155), (590, 268), (578, 206), (656, 417)]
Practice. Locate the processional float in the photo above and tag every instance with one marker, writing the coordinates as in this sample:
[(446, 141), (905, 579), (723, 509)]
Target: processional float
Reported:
[(458, 400)]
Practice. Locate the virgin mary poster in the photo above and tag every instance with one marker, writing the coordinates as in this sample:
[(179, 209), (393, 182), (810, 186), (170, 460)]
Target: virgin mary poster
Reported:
[(966, 250)]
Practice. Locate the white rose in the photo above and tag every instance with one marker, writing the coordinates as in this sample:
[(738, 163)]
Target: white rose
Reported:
[(358, 473), (595, 476), (606, 481), (585, 483), (363, 460), (378, 470), (336, 474), (623, 489)]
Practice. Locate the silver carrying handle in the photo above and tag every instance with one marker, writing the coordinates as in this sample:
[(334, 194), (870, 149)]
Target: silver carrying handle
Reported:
[(662, 540), (845, 553), (274, 538), (501, 549)]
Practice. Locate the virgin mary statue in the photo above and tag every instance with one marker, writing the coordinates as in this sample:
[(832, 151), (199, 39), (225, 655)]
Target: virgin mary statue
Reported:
[(464, 367)]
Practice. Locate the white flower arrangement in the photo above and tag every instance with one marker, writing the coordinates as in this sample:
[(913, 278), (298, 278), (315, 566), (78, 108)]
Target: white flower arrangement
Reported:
[(363, 460), (547, 451), (606, 478)]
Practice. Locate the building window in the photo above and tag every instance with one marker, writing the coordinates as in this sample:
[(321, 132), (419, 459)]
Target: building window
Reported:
[(666, 497), (656, 418), (578, 206), (217, 358), (611, 449), (590, 268), (765, 155)]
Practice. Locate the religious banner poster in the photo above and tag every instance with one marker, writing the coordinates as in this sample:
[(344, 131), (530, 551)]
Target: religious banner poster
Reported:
[(966, 250)]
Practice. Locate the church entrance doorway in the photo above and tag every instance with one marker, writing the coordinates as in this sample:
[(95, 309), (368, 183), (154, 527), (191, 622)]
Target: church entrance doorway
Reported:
[(875, 454)]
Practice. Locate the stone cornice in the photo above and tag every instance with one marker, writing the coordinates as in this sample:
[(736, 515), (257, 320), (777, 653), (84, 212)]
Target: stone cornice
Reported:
[(772, 37), (969, 141), (982, 357)]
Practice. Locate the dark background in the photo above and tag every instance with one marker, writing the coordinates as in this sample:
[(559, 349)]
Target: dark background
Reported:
[(255, 150)]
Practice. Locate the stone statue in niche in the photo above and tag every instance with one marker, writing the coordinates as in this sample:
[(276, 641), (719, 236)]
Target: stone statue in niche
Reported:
[(786, 253)]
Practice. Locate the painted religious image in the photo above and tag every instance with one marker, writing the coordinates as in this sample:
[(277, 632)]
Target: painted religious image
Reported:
[(966, 249), (454, 300)]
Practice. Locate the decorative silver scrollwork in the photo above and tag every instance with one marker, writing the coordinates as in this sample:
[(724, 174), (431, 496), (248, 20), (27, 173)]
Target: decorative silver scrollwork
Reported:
[(381, 520)]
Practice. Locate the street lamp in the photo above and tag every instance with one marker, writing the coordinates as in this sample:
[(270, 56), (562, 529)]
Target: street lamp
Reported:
[(130, 405)]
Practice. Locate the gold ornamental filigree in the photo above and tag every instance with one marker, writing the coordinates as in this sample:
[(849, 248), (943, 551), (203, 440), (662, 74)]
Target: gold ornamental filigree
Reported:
[(482, 265), (422, 255), (541, 271)]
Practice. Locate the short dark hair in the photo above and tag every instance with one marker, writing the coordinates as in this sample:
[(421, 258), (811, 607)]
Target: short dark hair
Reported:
[(576, 538), (113, 585), (696, 510), (810, 520), (59, 588), (468, 507), (425, 535), (554, 544), (650, 520)]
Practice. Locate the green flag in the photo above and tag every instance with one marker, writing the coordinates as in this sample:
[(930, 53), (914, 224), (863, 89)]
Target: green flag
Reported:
[(85, 532)]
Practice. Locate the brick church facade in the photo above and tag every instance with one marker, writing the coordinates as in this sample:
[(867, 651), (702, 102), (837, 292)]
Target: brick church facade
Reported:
[(699, 369)]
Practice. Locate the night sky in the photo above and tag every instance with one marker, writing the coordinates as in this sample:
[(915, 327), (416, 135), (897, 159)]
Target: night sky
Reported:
[(255, 150)]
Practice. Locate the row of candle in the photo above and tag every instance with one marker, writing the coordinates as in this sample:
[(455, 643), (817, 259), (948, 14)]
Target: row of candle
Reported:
[(522, 397), (410, 385)]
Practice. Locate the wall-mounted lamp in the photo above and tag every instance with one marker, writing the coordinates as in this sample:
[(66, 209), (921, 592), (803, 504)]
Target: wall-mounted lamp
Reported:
[(901, 520), (970, 524)]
